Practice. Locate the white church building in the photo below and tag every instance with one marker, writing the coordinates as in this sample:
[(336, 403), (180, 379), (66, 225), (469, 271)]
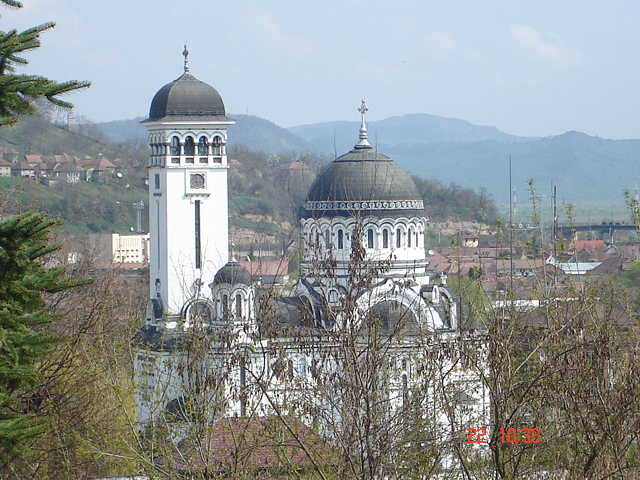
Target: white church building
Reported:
[(361, 204)]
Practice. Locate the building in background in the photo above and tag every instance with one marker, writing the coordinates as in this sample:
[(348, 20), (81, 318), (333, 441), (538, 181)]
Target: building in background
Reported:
[(130, 248)]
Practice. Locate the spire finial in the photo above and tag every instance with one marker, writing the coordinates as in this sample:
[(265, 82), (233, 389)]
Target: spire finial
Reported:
[(185, 54), (363, 138)]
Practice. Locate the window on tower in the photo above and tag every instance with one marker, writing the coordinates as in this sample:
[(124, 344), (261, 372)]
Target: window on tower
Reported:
[(157, 181), (398, 238), (217, 146), (189, 146), (385, 238), (340, 239), (203, 146), (175, 146), (410, 237)]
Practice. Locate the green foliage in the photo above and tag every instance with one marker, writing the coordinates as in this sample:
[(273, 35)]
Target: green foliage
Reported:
[(84, 208), (17, 91), (23, 281), (631, 277), (455, 202)]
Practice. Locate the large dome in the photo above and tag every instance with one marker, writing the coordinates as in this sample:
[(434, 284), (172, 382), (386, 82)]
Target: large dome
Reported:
[(186, 97), (366, 182)]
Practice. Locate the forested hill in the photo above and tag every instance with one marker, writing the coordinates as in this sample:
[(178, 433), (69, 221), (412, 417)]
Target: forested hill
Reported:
[(265, 190), (252, 132), (585, 168)]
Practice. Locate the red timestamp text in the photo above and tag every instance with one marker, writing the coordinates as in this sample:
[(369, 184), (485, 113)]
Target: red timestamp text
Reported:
[(507, 435)]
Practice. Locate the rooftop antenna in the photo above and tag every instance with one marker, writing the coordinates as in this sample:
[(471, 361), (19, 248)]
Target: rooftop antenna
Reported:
[(185, 54)]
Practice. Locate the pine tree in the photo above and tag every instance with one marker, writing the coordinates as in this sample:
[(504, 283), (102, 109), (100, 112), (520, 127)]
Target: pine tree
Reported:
[(17, 91), (23, 315)]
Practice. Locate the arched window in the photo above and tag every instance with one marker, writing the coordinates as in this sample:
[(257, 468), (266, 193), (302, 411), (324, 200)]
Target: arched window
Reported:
[(385, 238), (238, 305), (370, 238), (217, 146), (340, 239), (416, 234), (175, 146), (327, 238), (410, 237), (225, 306), (398, 238), (200, 313), (203, 146), (333, 296), (189, 146)]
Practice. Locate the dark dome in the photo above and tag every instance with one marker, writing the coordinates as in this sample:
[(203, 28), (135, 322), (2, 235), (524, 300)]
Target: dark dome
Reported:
[(186, 97), (366, 182), (232, 273)]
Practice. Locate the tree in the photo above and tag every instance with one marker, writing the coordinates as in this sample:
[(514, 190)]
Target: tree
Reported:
[(17, 91), (23, 281)]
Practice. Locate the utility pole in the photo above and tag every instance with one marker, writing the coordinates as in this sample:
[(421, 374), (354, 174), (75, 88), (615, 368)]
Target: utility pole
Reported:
[(139, 206), (555, 231), (510, 229)]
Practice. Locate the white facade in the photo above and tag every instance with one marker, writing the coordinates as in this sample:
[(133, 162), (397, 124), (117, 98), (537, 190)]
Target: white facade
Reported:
[(188, 208)]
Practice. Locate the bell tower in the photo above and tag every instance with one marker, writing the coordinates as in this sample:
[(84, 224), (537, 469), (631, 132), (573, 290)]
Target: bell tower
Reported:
[(188, 204)]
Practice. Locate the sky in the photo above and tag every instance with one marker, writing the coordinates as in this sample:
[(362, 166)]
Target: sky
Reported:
[(527, 67)]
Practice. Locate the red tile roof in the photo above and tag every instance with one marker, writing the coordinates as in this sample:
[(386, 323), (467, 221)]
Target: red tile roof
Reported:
[(104, 163), (588, 245), (279, 266), (298, 165), (256, 444)]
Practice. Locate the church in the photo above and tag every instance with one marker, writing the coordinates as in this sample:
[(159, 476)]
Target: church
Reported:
[(364, 275)]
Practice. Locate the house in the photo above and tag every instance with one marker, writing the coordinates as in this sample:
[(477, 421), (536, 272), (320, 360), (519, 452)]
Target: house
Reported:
[(101, 170), (66, 172), (5, 168)]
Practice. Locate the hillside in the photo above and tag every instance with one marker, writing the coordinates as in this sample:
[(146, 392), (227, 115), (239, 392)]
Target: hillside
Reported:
[(265, 190), (253, 132), (586, 169), (415, 128)]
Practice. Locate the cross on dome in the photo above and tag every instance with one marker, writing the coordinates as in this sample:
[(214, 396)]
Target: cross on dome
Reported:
[(185, 54), (363, 138)]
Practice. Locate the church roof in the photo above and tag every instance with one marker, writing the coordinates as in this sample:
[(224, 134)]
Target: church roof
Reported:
[(232, 273), (363, 181), (184, 98)]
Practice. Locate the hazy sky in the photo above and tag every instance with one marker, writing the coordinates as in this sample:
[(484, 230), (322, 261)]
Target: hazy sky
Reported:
[(528, 67)]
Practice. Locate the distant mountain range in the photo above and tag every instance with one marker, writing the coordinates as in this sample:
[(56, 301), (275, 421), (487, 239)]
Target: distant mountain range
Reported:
[(585, 168), (254, 132)]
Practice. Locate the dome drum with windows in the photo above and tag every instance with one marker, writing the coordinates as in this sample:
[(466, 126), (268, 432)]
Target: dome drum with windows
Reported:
[(363, 182)]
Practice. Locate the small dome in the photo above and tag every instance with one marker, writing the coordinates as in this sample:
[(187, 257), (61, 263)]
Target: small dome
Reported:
[(232, 273), (366, 182), (186, 97)]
